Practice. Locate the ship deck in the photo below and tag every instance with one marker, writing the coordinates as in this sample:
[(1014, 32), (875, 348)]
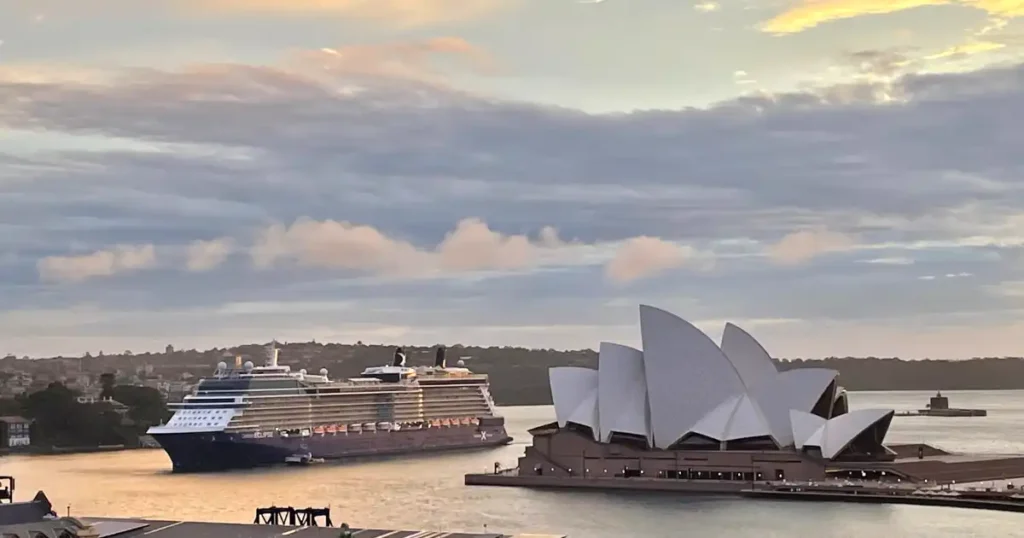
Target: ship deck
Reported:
[(133, 528)]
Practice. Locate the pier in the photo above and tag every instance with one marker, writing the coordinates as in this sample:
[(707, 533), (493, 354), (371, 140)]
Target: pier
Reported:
[(1003, 501)]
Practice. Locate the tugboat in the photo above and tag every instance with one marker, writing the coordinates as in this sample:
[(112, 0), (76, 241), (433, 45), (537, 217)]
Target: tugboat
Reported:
[(938, 406)]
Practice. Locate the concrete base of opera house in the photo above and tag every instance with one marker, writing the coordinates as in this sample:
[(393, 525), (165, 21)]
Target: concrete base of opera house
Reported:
[(1006, 501), (566, 459)]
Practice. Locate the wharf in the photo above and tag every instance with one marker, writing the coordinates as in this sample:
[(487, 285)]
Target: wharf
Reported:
[(134, 528), (999, 502), (864, 492)]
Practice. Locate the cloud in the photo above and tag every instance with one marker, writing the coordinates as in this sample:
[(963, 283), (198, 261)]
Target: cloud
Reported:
[(207, 255), (810, 13), (371, 161), (967, 49), (707, 6), (947, 275), (642, 257), (895, 260), (403, 12), (410, 59), (471, 246), (102, 263), (802, 246)]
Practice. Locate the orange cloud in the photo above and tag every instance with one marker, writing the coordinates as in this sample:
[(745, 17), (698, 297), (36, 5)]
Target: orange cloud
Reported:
[(413, 59), (102, 263), (967, 49), (207, 255), (800, 247), (403, 12), (810, 13), (471, 246), (643, 257)]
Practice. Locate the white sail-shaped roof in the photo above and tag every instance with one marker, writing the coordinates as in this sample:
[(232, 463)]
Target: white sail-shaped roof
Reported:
[(687, 374), (622, 392), (841, 405), (738, 417), (805, 425), (835, 435), (574, 391), (682, 383), (746, 354), (796, 389)]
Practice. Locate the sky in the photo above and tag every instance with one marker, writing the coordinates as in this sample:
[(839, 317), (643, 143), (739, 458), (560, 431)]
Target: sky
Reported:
[(838, 177)]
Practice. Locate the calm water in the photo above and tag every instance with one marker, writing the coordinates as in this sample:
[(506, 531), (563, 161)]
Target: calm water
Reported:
[(427, 492)]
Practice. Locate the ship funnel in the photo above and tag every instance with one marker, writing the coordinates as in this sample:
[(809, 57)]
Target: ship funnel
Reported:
[(238, 362), (399, 357), (439, 361)]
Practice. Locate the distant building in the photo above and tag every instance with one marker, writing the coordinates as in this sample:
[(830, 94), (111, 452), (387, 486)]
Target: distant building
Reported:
[(14, 431)]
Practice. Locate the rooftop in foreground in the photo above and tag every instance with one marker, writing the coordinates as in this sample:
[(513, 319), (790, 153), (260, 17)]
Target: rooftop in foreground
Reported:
[(132, 528)]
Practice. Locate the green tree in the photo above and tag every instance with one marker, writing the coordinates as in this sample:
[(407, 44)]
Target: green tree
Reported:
[(107, 381), (145, 405), (60, 420)]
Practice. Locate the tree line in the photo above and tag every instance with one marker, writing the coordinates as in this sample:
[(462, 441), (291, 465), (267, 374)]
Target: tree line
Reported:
[(59, 420), (519, 376)]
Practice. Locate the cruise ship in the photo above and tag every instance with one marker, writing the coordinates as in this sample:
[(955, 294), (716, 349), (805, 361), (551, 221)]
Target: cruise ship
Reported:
[(252, 416)]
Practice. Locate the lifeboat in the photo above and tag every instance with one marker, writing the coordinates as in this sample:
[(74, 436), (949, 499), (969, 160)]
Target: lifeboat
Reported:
[(342, 428), (332, 429), (319, 430)]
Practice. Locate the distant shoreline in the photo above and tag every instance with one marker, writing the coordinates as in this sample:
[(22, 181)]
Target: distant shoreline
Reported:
[(926, 392)]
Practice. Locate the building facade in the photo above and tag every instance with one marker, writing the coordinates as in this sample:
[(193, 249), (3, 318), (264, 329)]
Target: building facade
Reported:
[(15, 432)]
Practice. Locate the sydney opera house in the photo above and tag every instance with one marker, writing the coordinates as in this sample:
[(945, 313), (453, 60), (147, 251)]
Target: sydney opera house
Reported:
[(689, 409)]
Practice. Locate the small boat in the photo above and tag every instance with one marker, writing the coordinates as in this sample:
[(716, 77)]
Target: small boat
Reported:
[(302, 459)]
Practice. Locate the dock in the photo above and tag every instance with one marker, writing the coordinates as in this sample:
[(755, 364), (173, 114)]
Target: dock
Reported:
[(1002, 501), (134, 528)]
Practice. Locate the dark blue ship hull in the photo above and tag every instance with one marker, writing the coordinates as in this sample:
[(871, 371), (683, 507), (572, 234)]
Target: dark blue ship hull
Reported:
[(197, 452)]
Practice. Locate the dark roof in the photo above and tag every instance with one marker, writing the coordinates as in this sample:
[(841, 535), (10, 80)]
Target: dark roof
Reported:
[(25, 512)]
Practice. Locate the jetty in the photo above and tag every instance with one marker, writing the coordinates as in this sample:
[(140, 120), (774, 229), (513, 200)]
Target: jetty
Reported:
[(938, 406)]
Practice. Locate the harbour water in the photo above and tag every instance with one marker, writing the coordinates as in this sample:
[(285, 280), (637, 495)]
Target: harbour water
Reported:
[(427, 492)]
